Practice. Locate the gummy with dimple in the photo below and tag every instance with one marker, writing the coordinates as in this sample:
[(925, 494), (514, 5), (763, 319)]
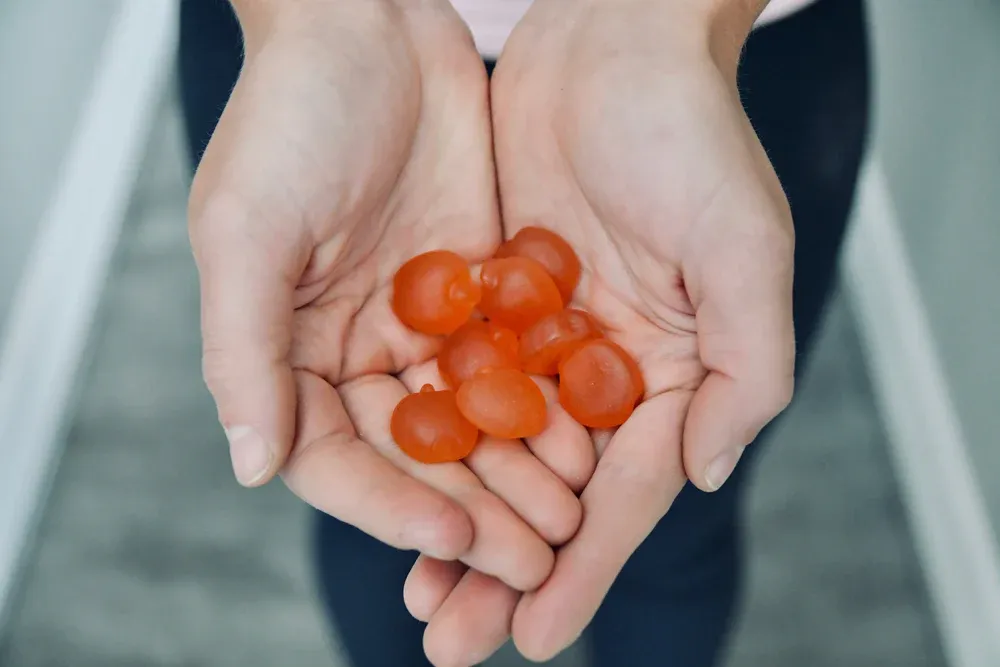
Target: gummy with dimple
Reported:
[(523, 292), (551, 251), (517, 292), (599, 384), (475, 347), (547, 341), (434, 293), (429, 428), (504, 403)]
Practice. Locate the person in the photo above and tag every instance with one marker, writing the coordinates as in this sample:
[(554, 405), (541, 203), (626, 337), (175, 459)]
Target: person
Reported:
[(669, 142)]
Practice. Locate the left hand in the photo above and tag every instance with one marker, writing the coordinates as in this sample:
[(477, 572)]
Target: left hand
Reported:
[(358, 136), (619, 125)]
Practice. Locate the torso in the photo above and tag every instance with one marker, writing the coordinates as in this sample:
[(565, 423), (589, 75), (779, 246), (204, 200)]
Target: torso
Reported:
[(491, 21)]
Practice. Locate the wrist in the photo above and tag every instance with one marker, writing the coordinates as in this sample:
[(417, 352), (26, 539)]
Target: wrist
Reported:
[(730, 23), (262, 20), (720, 26)]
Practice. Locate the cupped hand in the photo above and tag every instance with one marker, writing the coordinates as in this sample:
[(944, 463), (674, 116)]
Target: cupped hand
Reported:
[(357, 136), (619, 125)]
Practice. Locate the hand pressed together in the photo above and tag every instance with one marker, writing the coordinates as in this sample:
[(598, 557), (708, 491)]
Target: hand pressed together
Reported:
[(359, 136)]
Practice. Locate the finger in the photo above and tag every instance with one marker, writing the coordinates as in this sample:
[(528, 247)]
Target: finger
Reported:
[(503, 545), (248, 273), (511, 472), (428, 584), (472, 623), (635, 483), (335, 472), (743, 303), (565, 446)]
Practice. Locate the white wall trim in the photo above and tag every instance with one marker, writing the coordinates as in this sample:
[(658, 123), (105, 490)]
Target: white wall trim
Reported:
[(953, 535), (51, 315)]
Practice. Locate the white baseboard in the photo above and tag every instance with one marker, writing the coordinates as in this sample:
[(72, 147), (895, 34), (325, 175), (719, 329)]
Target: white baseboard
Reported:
[(51, 314), (941, 492)]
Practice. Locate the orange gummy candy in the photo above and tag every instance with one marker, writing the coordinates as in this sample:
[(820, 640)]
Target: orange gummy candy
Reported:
[(434, 293), (599, 384), (551, 338), (551, 251), (517, 292), (476, 346), (504, 403), (428, 427)]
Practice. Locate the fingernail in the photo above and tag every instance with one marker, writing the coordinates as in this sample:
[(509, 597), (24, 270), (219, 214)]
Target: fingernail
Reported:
[(251, 456), (722, 467)]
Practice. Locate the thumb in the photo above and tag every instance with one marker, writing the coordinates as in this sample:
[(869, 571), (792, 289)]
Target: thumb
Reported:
[(248, 278), (743, 305)]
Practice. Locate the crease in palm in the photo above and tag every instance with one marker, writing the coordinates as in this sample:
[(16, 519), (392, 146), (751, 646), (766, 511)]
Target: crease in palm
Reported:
[(405, 154), (652, 172), (428, 185)]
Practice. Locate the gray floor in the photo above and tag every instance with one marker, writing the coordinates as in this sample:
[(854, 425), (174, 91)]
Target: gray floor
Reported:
[(149, 555)]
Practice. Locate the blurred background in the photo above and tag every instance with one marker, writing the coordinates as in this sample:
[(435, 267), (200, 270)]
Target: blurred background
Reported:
[(124, 540)]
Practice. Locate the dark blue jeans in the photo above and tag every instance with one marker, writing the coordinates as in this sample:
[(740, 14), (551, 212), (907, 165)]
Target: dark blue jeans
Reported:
[(804, 83)]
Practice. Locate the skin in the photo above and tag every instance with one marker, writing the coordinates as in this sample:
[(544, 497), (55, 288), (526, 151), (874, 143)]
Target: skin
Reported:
[(618, 125), (645, 161), (358, 136)]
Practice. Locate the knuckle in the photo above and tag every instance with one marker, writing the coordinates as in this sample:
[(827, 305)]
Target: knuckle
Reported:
[(775, 398), (216, 372)]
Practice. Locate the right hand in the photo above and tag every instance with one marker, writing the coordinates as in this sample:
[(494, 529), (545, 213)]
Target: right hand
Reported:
[(358, 136), (619, 127)]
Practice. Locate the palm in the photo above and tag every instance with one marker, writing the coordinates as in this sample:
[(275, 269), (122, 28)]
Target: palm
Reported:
[(427, 183), (353, 175), (648, 187), (627, 204), (436, 192), (326, 173), (641, 156)]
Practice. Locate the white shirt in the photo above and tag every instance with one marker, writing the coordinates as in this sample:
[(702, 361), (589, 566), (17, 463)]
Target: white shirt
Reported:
[(491, 21)]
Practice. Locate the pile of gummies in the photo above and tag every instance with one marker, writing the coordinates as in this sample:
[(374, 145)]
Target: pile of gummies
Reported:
[(510, 323)]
